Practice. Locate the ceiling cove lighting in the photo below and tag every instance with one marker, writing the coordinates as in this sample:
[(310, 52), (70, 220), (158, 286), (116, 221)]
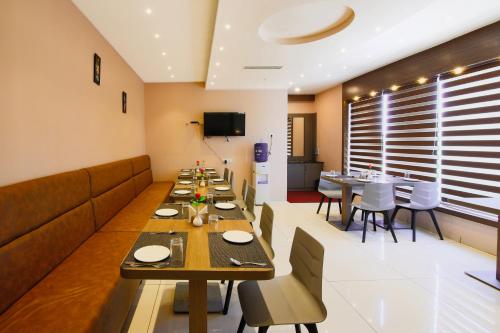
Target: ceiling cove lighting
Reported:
[(373, 93), (297, 89), (422, 80), (458, 70), (394, 87)]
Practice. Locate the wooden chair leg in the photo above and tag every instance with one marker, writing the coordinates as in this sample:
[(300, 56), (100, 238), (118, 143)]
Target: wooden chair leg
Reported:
[(228, 297), (297, 328), (320, 203), (263, 329), (389, 225), (242, 325), (328, 209), (351, 218), (311, 328), (436, 225), (374, 222), (364, 226), (413, 225)]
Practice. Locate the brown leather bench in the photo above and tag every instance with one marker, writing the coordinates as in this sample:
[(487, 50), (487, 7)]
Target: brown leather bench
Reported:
[(62, 239)]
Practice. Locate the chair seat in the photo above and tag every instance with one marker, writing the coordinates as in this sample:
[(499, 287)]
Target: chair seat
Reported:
[(334, 194), (281, 301), (415, 206)]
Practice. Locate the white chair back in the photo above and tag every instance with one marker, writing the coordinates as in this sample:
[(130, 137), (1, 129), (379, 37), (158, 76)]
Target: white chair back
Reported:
[(378, 197), (325, 185), (425, 195)]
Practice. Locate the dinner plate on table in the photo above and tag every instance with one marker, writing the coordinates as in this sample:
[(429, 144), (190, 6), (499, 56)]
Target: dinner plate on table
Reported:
[(152, 253), (237, 236), (211, 172), (225, 205), (364, 180), (185, 182), (182, 192), (186, 170), (185, 174), (167, 212), (222, 188), (209, 169), (218, 180)]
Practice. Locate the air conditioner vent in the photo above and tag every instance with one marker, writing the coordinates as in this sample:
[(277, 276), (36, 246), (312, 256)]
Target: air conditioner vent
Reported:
[(262, 67)]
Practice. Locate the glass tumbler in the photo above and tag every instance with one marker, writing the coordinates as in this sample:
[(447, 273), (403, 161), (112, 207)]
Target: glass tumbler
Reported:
[(213, 222), (210, 198), (176, 251)]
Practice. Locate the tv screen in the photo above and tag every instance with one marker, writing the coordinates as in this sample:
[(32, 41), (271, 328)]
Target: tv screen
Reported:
[(224, 124)]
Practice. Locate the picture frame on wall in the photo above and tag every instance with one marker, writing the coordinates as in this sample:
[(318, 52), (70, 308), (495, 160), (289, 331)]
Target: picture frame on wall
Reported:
[(124, 102), (97, 69)]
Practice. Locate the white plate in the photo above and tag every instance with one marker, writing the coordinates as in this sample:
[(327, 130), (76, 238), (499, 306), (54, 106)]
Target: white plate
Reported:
[(182, 191), (218, 180), (364, 180), (167, 212), (186, 170), (237, 236), (152, 253), (209, 169), (185, 182), (211, 172), (225, 205), (222, 188), (185, 174)]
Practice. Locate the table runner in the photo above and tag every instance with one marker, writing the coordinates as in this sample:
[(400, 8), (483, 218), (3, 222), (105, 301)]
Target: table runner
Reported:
[(221, 251), (149, 238)]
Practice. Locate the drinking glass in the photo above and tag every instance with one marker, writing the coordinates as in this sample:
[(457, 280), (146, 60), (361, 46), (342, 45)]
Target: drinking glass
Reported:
[(193, 187), (185, 207), (210, 198), (176, 251), (213, 221)]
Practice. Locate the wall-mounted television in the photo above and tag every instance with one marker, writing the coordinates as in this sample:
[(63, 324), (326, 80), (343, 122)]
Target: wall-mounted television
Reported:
[(224, 124)]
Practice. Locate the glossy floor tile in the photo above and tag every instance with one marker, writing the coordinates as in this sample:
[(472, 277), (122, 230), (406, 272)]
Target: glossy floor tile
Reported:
[(378, 286)]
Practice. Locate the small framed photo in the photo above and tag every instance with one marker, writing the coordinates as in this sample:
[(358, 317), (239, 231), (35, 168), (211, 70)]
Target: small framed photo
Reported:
[(124, 102), (97, 69)]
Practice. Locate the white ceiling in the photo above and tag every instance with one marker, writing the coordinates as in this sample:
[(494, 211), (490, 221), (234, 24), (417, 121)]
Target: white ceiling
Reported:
[(382, 32)]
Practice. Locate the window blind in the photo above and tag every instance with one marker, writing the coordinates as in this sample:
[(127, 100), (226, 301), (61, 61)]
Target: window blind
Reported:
[(470, 114), (365, 134)]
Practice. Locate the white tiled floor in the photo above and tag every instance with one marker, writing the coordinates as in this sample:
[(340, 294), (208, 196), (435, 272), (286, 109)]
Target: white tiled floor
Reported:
[(378, 286)]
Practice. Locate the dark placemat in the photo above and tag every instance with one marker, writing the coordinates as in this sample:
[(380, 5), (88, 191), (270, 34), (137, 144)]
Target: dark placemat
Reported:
[(147, 238), (227, 214), (180, 216), (221, 251)]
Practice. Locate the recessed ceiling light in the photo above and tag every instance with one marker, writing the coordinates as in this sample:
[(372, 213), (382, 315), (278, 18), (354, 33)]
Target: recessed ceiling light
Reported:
[(157, 36), (227, 26), (297, 89), (172, 76), (373, 93), (328, 75), (148, 11), (422, 80), (344, 67), (164, 53), (378, 29), (217, 64), (368, 56), (458, 70), (394, 87), (290, 83), (356, 98), (212, 83), (301, 76), (343, 50), (320, 65), (169, 68), (221, 48), (214, 76)]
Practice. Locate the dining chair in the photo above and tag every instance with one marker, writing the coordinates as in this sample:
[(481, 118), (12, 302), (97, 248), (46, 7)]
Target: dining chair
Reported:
[(424, 197), (250, 204), (331, 191), (226, 174), (231, 177), (377, 198), (241, 201), (293, 299), (265, 239)]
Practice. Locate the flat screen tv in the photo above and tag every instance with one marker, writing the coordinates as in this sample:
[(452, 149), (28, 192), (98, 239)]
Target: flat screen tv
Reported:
[(224, 124)]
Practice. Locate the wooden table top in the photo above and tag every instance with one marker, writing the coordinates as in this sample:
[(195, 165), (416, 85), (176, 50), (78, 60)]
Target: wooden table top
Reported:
[(197, 263)]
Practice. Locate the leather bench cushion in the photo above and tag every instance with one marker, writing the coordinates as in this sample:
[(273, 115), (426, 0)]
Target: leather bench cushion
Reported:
[(85, 293), (143, 180), (29, 258), (140, 163), (104, 177), (137, 213), (108, 204), (28, 205)]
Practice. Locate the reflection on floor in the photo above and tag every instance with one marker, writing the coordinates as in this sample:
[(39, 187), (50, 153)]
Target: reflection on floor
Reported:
[(378, 286)]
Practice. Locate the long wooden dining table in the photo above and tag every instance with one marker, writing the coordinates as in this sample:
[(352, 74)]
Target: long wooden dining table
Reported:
[(347, 184)]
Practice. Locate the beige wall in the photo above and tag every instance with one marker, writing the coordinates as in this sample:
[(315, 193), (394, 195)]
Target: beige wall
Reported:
[(301, 107), (173, 143), (52, 116), (328, 106)]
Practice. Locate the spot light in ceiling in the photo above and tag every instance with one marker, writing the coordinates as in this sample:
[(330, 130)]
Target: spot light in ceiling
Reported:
[(373, 93), (378, 29), (169, 68), (214, 76), (164, 53), (343, 50), (328, 75), (394, 87), (217, 64), (212, 83), (297, 89), (172, 76), (301, 76), (227, 26), (157, 36), (458, 70), (320, 65), (356, 98), (221, 48), (422, 80), (290, 83), (344, 67), (149, 11)]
